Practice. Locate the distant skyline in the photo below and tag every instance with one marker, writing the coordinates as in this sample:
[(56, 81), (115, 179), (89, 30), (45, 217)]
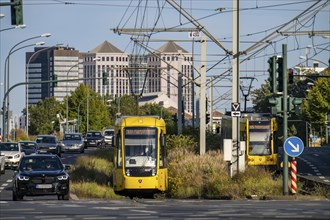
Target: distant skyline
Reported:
[(84, 24)]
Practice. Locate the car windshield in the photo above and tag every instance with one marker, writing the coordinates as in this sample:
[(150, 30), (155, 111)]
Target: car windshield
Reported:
[(94, 134), (26, 145), (72, 137), (110, 133), (9, 147), (45, 139), (40, 164)]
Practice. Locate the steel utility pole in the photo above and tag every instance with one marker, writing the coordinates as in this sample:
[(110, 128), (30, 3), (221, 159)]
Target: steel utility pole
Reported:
[(180, 108), (202, 98), (285, 118), (235, 93)]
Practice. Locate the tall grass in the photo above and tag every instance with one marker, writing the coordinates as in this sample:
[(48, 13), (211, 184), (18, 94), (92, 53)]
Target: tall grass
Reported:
[(190, 175), (91, 175)]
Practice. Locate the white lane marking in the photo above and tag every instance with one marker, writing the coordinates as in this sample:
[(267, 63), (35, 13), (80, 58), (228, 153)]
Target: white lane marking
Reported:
[(321, 177), (9, 181), (327, 181), (318, 174), (316, 155)]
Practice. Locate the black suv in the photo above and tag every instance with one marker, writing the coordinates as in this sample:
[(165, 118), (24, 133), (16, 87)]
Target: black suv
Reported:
[(41, 174), (94, 139)]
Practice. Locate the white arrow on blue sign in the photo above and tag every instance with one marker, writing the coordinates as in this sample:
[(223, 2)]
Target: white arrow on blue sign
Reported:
[(293, 146)]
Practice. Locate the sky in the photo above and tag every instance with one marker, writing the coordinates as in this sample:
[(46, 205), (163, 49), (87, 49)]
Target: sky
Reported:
[(84, 24)]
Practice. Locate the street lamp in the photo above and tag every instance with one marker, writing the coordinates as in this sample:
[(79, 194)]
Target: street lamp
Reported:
[(6, 76), (27, 86), (6, 84), (301, 57), (67, 97), (22, 26), (79, 112)]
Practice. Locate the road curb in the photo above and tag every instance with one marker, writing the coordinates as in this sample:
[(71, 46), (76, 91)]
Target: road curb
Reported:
[(73, 196)]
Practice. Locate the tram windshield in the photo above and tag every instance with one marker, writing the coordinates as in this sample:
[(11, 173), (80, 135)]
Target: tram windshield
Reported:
[(140, 147), (259, 143)]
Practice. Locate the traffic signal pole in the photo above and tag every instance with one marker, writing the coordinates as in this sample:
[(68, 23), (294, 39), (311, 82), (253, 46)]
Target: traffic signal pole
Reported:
[(285, 118)]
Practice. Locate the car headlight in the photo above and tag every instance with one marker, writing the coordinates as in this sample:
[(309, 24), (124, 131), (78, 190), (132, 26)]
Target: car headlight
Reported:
[(63, 177), (23, 178), (17, 156)]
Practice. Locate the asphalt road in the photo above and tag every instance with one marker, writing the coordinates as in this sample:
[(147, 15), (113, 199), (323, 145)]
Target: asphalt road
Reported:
[(164, 209), (314, 164), (48, 207)]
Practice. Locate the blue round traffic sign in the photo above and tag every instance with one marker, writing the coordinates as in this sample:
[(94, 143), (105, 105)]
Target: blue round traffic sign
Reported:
[(293, 146)]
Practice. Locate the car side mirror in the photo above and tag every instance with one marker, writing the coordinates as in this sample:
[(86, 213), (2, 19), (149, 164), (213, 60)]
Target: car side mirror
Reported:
[(67, 166)]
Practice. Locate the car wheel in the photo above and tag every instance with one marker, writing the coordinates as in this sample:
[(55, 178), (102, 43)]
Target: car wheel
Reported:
[(63, 197), (17, 197)]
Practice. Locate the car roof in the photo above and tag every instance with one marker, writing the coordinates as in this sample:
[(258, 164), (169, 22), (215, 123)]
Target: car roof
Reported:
[(41, 155), (73, 133), (46, 135)]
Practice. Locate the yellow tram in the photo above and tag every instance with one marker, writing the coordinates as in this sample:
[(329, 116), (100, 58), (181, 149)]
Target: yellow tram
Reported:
[(259, 131), (261, 141), (140, 161)]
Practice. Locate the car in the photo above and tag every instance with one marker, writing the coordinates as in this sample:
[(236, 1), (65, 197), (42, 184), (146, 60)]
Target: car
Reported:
[(48, 144), (12, 152), (41, 174), (94, 139), (108, 136), (2, 163), (73, 142), (28, 147)]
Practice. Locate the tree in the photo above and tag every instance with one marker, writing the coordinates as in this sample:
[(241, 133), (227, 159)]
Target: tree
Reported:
[(43, 117), (98, 116), (260, 98), (317, 103)]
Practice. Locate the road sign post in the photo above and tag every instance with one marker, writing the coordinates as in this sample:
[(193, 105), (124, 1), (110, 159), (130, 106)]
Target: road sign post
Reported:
[(293, 147)]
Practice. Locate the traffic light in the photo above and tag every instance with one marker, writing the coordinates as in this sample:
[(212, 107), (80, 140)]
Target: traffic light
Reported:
[(55, 79), (207, 118), (105, 80), (276, 105), (272, 74), (294, 105), (290, 73), (16, 9), (280, 74)]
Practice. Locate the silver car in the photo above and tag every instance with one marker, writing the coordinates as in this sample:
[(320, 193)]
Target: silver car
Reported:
[(12, 152), (2, 163), (73, 142)]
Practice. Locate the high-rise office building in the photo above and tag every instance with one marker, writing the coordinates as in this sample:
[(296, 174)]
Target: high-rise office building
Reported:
[(169, 60), (108, 59), (50, 63)]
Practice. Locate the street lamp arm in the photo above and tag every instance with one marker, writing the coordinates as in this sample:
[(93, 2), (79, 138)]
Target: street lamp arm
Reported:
[(31, 38), (28, 83)]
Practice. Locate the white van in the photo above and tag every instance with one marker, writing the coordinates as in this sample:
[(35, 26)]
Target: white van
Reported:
[(109, 136)]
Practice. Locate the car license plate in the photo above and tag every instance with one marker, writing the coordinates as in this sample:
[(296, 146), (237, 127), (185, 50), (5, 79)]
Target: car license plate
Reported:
[(44, 186), (43, 151)]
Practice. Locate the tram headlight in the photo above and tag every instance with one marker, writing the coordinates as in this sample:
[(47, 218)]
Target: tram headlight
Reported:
[(153, 172), (128, 172)]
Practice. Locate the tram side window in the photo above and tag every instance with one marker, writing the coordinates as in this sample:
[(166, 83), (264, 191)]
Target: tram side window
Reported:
[(162, 150), (119, 146)]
